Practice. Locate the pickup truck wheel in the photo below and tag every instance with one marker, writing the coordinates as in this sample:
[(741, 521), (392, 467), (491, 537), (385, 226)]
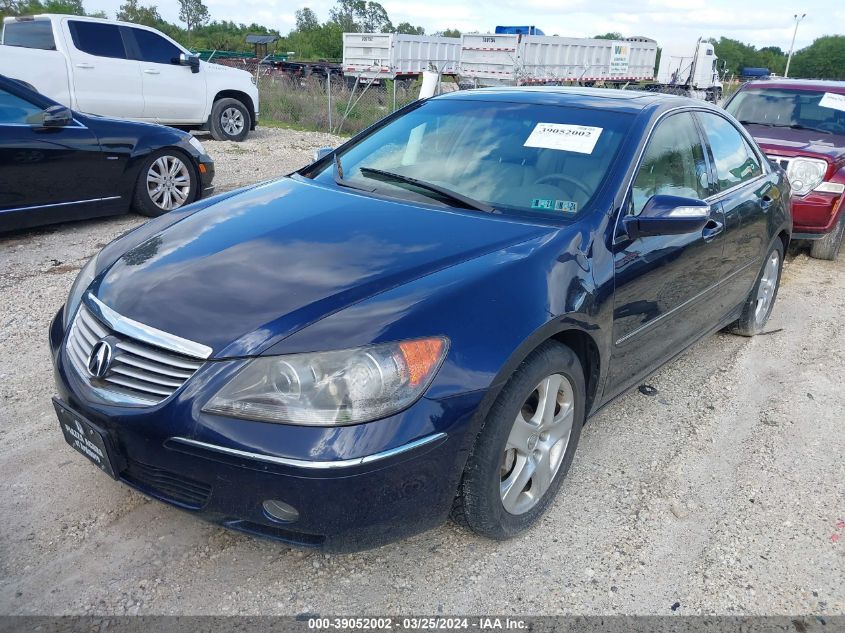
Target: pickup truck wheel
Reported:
[(166, 182), (828, 246), (526, 445), (230, 120), (758, 306)]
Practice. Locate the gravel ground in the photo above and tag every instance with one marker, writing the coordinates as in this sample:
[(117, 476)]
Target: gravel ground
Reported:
[(724, 493)]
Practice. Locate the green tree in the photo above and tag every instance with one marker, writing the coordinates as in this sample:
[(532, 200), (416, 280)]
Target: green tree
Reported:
[(823, 59), (609, 36), (132, 11), (306, 20), (409, 29), (193, 13), (360, 16), (449, 33)]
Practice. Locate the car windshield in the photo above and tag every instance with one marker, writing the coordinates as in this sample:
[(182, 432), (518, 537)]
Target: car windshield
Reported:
[(785, 107), (492, 155)]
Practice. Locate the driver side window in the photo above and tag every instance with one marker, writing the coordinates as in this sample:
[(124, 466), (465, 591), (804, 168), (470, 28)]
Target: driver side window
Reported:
[(673, 163), (17, 111)]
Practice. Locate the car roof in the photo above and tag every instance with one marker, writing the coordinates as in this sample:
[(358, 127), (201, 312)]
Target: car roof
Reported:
[(828, 85), (632, 101)]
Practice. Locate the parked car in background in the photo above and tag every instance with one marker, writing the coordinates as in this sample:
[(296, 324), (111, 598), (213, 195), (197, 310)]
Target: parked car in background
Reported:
[(58, 165), (801, 127), (129, 71), (418, 323)]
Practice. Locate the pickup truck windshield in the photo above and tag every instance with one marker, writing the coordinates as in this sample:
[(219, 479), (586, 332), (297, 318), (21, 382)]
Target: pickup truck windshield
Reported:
[(513, 157), (784, 107), (29, 34)]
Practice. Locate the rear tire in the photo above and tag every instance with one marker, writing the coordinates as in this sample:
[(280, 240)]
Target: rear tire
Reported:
[(525, 447), (167, 169), (761, 300), (828, 247), (230, 120)]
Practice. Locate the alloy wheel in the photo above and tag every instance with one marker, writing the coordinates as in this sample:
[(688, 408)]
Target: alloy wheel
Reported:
[(232, 121), (767, 287), (537, 443), (168, 182)]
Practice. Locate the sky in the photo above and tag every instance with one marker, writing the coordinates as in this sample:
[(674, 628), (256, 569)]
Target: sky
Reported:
[(673, 23)]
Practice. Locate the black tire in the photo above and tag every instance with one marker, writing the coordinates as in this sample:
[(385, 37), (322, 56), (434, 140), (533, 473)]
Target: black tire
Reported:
[(221, 114), (143, 201), (827, 248), (479, 504), (750, 323)]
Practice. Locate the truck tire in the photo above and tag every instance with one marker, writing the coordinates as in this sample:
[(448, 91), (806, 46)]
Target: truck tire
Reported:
[(167, 181), (230, 120), (828, 246)]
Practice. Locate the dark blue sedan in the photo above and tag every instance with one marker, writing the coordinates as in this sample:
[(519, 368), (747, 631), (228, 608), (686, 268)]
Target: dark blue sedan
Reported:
[(419, 322)]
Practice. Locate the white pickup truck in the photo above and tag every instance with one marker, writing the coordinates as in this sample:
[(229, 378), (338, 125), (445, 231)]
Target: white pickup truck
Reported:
[(129, 71)]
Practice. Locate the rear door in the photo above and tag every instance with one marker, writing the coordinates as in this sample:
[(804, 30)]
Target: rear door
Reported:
[(105, 80), (172, 92), (746, 189), (47, 172), (665, 284)]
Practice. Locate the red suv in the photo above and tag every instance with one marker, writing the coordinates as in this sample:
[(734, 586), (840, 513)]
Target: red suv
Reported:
[(800, 125)]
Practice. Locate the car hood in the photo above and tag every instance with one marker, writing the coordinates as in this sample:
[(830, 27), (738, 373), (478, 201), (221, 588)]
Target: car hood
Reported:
[(242, 274), (774, 139)]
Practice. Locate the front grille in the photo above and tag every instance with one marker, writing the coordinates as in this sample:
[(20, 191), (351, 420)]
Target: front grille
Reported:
[(167, 485), (138, 372), (780, 161)]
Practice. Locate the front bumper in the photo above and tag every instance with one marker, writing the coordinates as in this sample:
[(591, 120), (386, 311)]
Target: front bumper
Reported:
[(815, 215), (398, 476), (206, 171)]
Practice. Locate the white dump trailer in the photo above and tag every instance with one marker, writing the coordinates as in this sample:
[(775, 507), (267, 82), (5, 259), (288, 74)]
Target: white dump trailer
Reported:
[(369, 56), (693, 67), (526, 59)]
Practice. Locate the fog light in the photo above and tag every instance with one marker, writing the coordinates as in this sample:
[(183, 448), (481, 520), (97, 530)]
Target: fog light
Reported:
[(280, 511)]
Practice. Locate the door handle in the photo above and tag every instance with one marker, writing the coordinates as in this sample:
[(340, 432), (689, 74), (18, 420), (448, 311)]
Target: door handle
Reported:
[(765, 203), (712, 229), (84, 65), (150, 71)]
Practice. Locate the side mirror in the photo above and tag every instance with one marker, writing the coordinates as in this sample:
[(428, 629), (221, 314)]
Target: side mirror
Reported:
[(56, 116), (322, 153), (190, 60), (668, 215)]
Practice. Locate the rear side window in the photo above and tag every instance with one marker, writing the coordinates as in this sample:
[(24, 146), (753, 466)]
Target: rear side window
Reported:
[(14, 110), (154, 48), (30, 34), (736, 162), (673, 163), (96, 38)]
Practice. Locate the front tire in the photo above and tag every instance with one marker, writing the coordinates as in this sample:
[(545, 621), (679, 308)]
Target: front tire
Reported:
[(761, 300), (167, 181), (525, 447), (230, 120), (827, 248)]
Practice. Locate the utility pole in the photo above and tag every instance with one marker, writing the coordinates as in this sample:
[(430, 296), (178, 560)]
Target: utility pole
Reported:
[(792, 46)]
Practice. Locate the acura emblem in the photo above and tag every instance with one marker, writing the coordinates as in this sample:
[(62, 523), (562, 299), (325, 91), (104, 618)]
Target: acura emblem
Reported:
[(99, 360)]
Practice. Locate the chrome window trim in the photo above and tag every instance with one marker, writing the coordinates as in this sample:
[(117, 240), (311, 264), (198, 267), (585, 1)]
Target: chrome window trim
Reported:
[(145, 333), (303, 463), (60, 204)]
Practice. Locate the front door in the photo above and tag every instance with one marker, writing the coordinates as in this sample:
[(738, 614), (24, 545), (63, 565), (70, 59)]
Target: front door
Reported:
[(664, 284), (105, 81)]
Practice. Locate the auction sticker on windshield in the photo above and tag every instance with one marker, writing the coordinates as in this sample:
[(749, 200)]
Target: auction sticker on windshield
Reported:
[(564, 136), (833, 101)]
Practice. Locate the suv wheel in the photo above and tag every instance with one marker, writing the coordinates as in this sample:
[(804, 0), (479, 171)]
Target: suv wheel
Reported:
[(230, 120), (828, 246)]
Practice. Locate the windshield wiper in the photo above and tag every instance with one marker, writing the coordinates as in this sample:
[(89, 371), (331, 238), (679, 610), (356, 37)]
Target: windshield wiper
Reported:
[(454, 196), (791, 126), (338, 176)]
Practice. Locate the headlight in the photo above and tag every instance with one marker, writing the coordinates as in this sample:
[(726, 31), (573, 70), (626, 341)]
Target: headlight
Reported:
[(332, 388), (83, 280), (197, 145), (805, 174)]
